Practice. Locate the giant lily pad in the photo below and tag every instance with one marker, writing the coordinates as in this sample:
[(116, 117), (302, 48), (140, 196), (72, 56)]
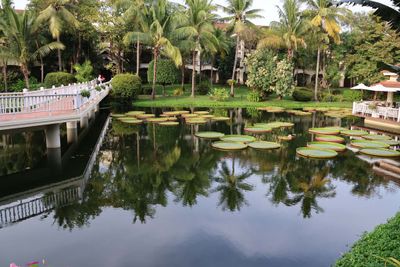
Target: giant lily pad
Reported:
[(264, 145), (354, 132), (189, 116), (201, 112), (169, 123), (309, 152), (134, 113), (368, 144), (220, 119), (145, 116), (380, 152), (238, 138), (196, 121), (324, 131), (210, 135), (376, 137), (257, 130), (327, 145), (172, 113), (156, 120), (116, 115), (130, 120), (390, 142), (221, 145), (329, 138)]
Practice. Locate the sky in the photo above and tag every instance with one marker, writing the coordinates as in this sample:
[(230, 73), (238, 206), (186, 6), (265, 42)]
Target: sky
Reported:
[(268, 6)]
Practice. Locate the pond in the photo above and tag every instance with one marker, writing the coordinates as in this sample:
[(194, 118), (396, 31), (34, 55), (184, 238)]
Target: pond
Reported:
[(160, 196)]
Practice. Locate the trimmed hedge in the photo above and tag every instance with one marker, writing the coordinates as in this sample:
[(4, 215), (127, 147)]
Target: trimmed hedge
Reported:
[(302, 94), (167, 73), (58, 78), (352, 95), (126, 85), (383, 241)]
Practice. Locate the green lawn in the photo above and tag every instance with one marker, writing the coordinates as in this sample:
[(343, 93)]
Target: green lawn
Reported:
[(239, 101)]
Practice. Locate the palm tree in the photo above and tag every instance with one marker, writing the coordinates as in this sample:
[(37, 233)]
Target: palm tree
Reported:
[(59, 17), (20, 32), (198, 30), (162, 25), (325, 18), (232, 187), (239, 12), (222, 48), (288, 32)]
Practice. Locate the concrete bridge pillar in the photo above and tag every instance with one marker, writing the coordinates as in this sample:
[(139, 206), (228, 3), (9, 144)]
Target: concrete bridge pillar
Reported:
[(84, 122), (97, 108), (53, 136), (92, 114), (72, 132)]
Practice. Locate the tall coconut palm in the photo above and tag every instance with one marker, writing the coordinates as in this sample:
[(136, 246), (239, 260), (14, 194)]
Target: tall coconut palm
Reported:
[(59, 17), (21, 48), (288, 32), (162, 25), (325, 18), (239, 15), (222, 48), (198, 30)]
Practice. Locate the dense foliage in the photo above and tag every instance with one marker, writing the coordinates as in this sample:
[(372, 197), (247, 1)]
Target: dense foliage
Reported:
[(84, 72), (302, 94), (383, 242), (58, 78), (167, 73), (126, 85)]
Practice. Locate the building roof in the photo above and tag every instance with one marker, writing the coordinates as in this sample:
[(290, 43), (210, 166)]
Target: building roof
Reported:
[(390, 84)]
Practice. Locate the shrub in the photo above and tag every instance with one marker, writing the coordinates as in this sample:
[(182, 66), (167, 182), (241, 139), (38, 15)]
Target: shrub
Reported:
[(58, 78), (383, 242), (328, 97), (167, 73), (19, 85), (204, 87), (284, 79), (126, 85), (219, 94), (178, 92), (352, 95), (261, 67), (302, 94), (84, 72), (85, 93), (253, 96)]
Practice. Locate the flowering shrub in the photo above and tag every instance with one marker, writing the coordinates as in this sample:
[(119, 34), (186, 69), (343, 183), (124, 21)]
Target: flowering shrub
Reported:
[(219, 94)]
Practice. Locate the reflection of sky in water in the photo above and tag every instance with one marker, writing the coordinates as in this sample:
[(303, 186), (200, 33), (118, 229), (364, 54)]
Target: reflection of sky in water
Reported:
[(259, 235)]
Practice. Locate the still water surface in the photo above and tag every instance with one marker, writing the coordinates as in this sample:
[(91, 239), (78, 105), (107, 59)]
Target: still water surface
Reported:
[(158, 196)]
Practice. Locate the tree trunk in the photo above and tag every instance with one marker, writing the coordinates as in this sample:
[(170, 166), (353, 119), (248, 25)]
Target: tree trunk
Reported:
[(183, 76), (137, 57), (41, 70), (153, 91), (316, 75), (193, 72), (234, 65), (212, 72), (25, 72), (78, 50), (5, 76), (59, 56), (200, 67)]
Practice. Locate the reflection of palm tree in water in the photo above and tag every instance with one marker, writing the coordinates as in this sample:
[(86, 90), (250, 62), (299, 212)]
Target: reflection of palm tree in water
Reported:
[(232, 187)]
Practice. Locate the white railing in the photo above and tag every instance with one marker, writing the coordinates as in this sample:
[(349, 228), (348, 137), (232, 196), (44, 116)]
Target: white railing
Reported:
[(63, 98), (367, 108)]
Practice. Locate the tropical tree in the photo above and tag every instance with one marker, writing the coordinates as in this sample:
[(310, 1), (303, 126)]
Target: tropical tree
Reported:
[(288, 32), (325, 18), (222, 48), (239, 15), (59, 17), (158, 36), (198, 30), (21, 49)]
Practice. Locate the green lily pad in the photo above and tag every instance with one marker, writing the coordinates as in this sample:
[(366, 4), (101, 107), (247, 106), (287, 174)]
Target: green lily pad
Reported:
[(134, 113), (196, 121), (131, 120), (329, 138), (354, 132), (116, 115), (220, 119), (201, 112), (257, 130), (172, 113), (376, 137), (385, 153), (316, 153), (327, 145), (324, 131), (145, 116), (169, 123), (156, 120), (238, 138), (221, 145), (208, 117), (189, 116), (264, 145), (390, 142), (368, 144), (209, 135)]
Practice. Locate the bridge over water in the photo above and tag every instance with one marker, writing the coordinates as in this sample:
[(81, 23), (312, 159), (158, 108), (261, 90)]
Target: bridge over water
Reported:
[(48, 108)]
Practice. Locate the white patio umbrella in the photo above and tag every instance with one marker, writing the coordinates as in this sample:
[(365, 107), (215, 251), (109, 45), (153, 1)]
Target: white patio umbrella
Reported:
[(360, 86), (389, 90)]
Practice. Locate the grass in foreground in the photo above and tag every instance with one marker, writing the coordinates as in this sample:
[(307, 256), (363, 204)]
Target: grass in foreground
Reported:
[(237, 102), (373, 247)]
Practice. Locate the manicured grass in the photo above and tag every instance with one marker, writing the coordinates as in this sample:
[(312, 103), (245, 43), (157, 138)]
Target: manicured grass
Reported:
[(237, 102), (383, 242)]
